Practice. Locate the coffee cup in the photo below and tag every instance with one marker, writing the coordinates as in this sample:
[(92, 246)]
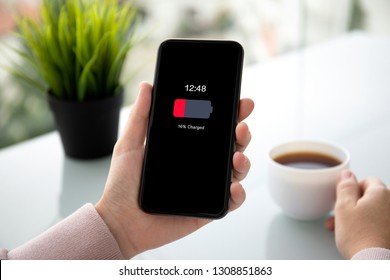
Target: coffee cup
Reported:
[(303, 174)]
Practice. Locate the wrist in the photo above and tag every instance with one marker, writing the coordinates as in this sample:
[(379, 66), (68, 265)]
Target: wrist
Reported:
[(116, 229)]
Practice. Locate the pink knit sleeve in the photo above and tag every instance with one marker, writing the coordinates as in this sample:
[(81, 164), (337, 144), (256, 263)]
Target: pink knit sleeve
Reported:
[(82, 235), (372, 254)]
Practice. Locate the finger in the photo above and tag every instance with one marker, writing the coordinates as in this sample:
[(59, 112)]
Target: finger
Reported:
[(371, 183), (237, 196), (241, 166), (245, 108), (347, 191), (243, 137), (134, 133), (330, 224)]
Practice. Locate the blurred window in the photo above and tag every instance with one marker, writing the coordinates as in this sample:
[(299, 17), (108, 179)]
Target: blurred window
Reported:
[(266, 28)]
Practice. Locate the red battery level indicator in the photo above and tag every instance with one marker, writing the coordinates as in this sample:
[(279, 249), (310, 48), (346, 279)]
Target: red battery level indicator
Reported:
[(190, 108)]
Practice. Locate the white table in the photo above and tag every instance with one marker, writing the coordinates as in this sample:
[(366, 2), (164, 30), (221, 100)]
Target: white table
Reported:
[(338, 91)]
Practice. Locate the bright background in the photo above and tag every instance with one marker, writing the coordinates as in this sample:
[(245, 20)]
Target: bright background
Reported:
[(266, 29)]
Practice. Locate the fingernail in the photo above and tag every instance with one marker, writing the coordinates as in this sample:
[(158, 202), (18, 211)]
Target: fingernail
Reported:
[(346, 174)]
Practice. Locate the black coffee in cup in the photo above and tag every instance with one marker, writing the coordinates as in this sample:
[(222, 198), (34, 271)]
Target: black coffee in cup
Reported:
[(307, 160)]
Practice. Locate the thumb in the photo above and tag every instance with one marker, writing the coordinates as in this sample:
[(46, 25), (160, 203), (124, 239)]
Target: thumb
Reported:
[(134, 133), (347, 191)]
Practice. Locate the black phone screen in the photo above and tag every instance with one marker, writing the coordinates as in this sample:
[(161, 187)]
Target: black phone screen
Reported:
[(191, 134)]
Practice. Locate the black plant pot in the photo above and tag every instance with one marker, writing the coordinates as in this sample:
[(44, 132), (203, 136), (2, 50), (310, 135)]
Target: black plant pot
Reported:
[(88, 129)]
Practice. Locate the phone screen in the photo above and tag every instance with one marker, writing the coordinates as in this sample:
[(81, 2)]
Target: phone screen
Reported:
[(190, 142)]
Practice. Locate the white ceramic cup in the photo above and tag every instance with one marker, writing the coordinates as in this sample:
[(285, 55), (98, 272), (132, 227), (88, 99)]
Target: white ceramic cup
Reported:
[(305, 194)]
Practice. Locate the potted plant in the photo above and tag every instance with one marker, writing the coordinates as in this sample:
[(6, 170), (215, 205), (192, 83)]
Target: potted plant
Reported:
[(77, 50)]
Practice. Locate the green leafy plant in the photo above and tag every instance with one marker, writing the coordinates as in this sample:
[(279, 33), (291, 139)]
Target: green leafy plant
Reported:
[(78, 48)]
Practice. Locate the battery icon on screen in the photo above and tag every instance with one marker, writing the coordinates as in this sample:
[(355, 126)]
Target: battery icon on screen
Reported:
[(189, 108)]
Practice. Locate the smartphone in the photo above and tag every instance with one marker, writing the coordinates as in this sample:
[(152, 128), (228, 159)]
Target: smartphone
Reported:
[(187, 168)]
